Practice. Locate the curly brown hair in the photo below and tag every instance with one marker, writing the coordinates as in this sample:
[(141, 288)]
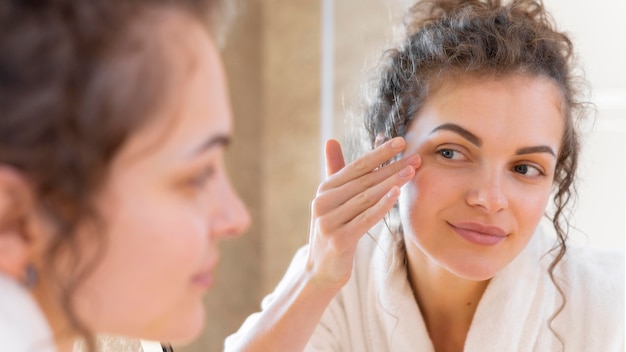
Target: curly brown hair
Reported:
[(77, 77), (481, 38)]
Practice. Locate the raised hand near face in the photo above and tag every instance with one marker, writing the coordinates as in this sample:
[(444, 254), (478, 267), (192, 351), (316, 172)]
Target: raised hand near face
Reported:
[(352, 200)]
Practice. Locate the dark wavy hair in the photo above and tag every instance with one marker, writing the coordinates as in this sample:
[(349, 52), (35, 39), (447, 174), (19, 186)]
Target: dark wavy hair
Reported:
[(477, 38), (77, 77)]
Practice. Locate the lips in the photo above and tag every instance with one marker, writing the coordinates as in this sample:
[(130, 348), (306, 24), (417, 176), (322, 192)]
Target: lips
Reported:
[(204, 279), (477, 233)]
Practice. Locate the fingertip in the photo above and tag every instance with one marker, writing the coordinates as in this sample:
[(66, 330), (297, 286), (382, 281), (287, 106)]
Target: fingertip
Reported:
[(414, 160), (332, 148), (332, 144), (406, 171), (393, 193), (397, 143), (334, 157)]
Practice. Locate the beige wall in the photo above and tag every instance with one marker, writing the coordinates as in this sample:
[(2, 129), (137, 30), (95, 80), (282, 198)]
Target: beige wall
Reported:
[(272, 61), (362, 31)]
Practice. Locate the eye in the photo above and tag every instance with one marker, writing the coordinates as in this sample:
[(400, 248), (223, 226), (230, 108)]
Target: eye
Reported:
[(451, 154), (527, 170), (201, 178)]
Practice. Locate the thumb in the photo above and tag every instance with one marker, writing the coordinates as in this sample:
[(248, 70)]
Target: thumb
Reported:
[(334, 157)]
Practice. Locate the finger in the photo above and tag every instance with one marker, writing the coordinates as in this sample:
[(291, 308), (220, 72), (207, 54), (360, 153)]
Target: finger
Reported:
[(358, 204), (367, 163), (362, 223), (352, 231), (335, 197), (334, 157)]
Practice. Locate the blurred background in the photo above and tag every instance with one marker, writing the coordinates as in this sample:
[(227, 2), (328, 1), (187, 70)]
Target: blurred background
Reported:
[(295, 70)]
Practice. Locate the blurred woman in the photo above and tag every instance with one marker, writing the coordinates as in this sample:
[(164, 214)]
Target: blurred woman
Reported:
[(114, 117)]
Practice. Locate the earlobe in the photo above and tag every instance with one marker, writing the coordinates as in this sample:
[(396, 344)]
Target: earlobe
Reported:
[(14, 255), (16, 245)]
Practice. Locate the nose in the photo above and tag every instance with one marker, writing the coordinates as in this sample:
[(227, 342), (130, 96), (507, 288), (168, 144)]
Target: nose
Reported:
[(231, 216), (488, 194)]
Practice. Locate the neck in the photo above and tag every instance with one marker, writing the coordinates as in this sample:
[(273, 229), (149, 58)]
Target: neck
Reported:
[(447, 302)]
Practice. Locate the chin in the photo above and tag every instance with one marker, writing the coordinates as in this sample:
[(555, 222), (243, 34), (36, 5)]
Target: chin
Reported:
[(195, 326), (183, 329), (475, 271)]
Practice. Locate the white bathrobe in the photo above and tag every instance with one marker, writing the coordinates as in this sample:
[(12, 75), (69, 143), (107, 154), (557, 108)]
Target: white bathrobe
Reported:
[(23, 327), (376, 310)]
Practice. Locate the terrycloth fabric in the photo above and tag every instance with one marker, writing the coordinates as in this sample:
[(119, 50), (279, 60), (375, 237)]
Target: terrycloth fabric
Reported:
[(23, 327), (110, 343), (376, 310)]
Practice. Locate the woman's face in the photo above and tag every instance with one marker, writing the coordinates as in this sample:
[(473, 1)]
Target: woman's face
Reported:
[(489, 151), (166, 203)]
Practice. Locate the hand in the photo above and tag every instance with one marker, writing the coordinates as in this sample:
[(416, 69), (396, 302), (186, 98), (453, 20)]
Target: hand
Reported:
[(352, 200)]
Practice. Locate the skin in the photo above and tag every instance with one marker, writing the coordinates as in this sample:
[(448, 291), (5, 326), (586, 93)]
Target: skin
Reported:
[(166, 203), (471, 174)]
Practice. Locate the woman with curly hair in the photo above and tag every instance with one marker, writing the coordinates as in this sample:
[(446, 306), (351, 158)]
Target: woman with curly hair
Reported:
[(114, 117), (473, 126)]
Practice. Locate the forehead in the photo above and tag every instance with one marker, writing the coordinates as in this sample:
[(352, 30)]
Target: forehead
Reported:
[(496, 107), (195, 104)]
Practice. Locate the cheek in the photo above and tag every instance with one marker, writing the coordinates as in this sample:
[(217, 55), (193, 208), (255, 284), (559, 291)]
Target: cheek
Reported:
[(432, 187), (155, 246), (431, 192), (528, 207), (163, 232)]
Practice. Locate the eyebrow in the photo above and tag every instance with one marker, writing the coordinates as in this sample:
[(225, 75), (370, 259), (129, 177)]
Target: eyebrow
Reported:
[(478, 142), (220, 140), (537, 149), (461, 132)]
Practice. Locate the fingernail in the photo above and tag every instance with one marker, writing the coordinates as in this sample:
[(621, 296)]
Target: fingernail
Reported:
[(394, 192), (405, 172), (397, 143), (414, 159)]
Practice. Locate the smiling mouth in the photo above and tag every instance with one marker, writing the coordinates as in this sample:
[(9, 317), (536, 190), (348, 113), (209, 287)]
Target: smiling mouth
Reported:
[(484, 235)]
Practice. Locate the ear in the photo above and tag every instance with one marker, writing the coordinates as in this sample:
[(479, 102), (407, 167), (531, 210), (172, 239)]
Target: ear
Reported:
[(16, 244), (380, 139)]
